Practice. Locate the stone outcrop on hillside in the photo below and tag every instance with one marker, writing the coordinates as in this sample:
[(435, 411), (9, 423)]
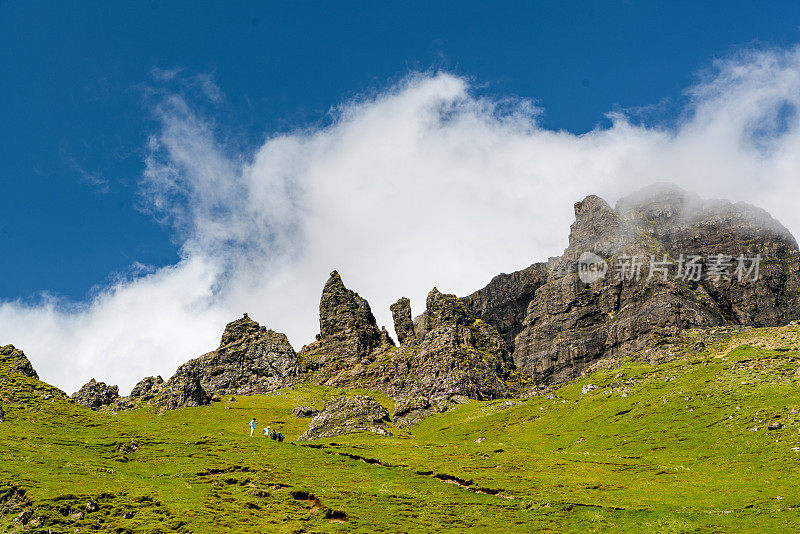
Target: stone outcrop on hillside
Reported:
[(96, 395), (412, 410), (571, 323), (538, 326), (503, 303), (183, 390), (345, 415), (457, 355), (16, 361), (403, 323), (250, 359), (347, 326), (147, 388)]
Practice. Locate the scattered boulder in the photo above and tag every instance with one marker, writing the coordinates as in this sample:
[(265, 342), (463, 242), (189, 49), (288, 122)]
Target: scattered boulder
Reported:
[(92, 506), (345, 415), (96, 395), (304, 411), (403, 323), (587, 388), (16, 361), (775, 425), (411, 410)]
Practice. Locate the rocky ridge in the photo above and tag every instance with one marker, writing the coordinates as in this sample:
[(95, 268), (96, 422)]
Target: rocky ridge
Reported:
[(538, 326), (571, 323)]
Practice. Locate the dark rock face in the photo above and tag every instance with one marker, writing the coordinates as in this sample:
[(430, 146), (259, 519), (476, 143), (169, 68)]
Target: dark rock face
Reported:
[(250, 359), (503, 303), (403, 324), (147, 388), (570, 323), (96, 395), (2, 415), (304, 411), (346, 324), (457, 355), (184, 389), (16, 360), (345, 415), (409, 411)]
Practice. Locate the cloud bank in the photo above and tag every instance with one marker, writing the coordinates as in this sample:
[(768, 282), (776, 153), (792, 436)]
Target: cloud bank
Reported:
[(423, 184)]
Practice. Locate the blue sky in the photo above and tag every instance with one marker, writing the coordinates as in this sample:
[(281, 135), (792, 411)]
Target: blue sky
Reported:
[(75, 78), (166, 166)]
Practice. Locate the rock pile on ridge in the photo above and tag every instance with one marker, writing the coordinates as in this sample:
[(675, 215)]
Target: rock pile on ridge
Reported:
[(250, 359), (16, 361), (147, 388), (96, 395), (455, 354)]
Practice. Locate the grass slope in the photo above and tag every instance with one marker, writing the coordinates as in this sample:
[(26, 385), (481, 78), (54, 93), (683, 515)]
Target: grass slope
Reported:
[(676, 447)]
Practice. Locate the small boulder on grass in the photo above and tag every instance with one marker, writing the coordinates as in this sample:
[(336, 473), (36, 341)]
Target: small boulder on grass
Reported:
[(345, 415), (304, 411)]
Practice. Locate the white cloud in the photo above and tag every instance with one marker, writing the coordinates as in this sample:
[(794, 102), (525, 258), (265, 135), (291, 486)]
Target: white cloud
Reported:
[(423, 184)]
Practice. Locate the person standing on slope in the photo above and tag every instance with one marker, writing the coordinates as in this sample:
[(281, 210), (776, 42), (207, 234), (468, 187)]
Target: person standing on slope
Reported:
[(252, 426)]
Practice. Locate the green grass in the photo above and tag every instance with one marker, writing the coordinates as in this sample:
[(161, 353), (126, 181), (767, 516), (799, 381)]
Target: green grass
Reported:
[(666, 448)]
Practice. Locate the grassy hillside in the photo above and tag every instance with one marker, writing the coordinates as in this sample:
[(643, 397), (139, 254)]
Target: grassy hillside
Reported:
[(675, 447)]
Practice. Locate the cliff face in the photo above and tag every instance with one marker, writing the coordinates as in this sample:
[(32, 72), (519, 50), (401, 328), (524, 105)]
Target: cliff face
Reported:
[(456, 355), (504, 302), (570, 323), (661, 261)]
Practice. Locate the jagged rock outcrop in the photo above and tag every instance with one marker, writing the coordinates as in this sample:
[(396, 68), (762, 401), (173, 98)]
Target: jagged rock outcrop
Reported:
[(96, 395), (346, 324), (403, 323), (503, 303), (345, 415), (16, 361), (570, 323), (184, 389), (304, 411), (250, 359), (412, 410), (457, 355), (147, 388)]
